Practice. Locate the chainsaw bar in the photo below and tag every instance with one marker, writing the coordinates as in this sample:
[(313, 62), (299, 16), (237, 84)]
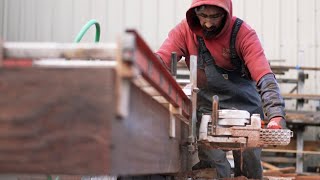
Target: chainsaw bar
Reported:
[(275, 136)]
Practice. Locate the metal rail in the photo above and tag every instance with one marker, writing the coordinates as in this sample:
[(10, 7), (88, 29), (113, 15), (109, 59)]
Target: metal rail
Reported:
[(158, 76)]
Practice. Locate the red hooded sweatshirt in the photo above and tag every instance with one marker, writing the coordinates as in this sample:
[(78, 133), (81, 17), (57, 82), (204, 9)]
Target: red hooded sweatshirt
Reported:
[(182, 40)]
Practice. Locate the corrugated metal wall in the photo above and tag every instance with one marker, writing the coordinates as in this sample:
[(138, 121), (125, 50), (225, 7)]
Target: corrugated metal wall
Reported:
[(288, 29), (61, 20)]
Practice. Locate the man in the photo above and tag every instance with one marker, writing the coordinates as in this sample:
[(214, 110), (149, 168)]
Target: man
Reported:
[(232, 65)]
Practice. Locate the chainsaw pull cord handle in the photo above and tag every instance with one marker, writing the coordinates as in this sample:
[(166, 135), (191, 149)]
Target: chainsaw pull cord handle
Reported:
[(215, 113), (85, 28)]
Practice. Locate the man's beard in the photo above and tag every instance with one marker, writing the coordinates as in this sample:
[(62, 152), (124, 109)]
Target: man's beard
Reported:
[(213, 31), (210, 33)]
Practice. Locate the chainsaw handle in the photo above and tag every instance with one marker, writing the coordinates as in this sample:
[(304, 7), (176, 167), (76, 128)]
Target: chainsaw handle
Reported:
[(215, 113)]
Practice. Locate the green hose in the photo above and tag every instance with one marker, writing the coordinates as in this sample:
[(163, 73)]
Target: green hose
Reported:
[(85, 28)]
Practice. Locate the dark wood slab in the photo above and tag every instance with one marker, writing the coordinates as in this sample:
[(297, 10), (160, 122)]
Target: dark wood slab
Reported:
[(63, 121), (141, 142), (55, 120)]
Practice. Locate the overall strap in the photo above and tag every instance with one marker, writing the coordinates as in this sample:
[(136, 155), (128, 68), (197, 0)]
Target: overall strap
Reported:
[(204, 52), (235, 59)]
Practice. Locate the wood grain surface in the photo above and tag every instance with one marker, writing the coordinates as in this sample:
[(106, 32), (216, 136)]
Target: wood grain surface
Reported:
[(55, 120), (63, 121), (141, 142)]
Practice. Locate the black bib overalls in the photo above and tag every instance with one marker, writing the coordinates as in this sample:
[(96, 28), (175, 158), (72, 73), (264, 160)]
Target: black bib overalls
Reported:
[(235, 92)]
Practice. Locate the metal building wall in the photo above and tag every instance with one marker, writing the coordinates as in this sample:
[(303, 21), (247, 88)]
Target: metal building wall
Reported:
[(61, 20), (288, 29), (1, 17)]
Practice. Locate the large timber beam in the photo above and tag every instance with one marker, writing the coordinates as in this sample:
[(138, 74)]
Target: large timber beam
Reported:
[(64, 121), (61, 117)]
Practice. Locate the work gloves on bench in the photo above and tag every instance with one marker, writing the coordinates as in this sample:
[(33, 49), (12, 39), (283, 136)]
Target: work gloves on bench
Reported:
[(272, 101)]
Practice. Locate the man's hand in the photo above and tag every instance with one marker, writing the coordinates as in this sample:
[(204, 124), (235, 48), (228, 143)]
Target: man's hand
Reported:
[(277, 123)]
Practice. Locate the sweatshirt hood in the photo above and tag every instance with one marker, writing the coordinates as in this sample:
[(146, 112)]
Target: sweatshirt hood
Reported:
[(194, 23)]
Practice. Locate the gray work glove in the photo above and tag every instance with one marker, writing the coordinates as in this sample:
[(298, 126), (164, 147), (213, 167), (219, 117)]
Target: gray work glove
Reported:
[(272, 101)]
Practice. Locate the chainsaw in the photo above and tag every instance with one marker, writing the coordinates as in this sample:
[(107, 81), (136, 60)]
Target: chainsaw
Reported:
[(235, 129)]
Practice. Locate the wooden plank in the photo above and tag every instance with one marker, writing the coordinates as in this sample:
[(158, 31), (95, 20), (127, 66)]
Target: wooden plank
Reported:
[(63, 121), (305, 118), (279, 171), (40, 177), (314, 177), (151, 91), (292, 81), (141, 141), (86, 51), (291, 151), (268, 166), (278, 160), (56, 121), (207, 173), (302, 96), (308, 146), (286, 68), (295, 176)]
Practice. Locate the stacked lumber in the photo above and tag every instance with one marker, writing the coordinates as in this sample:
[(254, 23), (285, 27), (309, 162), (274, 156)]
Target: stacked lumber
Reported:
[(272, 172)]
